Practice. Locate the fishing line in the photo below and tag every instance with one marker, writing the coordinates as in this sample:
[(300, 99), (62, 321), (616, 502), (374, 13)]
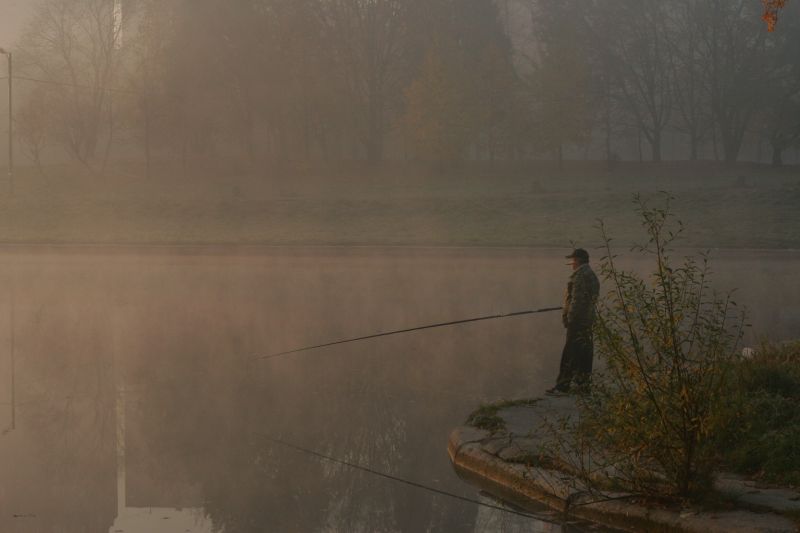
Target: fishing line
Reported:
[(398, 479)]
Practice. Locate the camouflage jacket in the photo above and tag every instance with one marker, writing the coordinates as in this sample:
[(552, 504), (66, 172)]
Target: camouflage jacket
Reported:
[(580, 298)]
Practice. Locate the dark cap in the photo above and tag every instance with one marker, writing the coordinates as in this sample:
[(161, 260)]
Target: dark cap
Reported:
[(580, 254)]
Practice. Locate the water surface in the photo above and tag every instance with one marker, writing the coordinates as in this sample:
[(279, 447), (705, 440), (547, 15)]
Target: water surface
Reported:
[(167, 340)]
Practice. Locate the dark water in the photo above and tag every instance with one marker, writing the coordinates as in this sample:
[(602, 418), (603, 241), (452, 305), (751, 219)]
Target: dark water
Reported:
[(169, 337)]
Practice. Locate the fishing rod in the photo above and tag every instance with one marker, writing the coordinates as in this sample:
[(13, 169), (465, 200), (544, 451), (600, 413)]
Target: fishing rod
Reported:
[(407, 330)]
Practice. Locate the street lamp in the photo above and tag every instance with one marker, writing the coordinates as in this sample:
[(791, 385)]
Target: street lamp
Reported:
[(11, 189), (10, 124)]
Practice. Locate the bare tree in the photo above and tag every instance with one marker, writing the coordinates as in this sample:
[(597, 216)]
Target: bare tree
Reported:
[(31, 123), (75, 45), (734, 48), (642, 55), (779, 115), (687, 65), (366, 40)]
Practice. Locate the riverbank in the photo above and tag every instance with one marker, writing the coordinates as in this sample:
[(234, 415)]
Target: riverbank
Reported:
[(512, 459), (746, 206)]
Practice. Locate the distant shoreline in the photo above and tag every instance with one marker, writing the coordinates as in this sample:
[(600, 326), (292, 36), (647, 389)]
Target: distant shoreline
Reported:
[(257, 247)]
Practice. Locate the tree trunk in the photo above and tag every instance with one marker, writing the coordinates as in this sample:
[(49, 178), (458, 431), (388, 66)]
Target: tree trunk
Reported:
[(714, 142), (639, 145), (110, 138), (731, 148), (777, 156), (607, 121), (374, 150), (374, 142), (146, 137), (655, 146)]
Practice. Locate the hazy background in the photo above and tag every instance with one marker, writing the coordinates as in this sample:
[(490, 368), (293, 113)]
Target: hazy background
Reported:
[(15, 13), (200, 182), (251, 87), (411, 122)]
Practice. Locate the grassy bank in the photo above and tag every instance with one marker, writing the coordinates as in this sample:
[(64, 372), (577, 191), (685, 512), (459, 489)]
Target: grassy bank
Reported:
[(746, 206)]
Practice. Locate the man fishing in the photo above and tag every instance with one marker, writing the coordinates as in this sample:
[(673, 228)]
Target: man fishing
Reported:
[(577, 316)]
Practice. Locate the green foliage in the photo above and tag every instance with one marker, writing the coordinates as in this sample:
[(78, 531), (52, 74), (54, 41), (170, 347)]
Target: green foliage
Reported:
[(668, 342), (763, 438), (486, 416)]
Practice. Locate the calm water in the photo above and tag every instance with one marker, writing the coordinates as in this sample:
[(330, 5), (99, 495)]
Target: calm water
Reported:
[(138, 387)]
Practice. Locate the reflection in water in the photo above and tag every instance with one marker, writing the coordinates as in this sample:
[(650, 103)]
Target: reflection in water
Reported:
[(179, 331), (151, 518)]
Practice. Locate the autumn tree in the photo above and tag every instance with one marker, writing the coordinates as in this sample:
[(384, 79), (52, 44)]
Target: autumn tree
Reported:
[(465, 94), (771, 10), (484, 50), (559, 83), (439, 117)]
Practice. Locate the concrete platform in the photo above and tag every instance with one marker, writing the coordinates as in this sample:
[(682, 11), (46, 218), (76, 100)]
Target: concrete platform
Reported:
[(508, 465)]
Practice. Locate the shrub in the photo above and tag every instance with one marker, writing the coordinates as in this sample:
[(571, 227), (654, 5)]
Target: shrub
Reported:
[(764, 440), (669, 343)]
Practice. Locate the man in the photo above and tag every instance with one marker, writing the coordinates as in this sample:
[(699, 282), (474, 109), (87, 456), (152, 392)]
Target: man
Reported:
[(578, 316)]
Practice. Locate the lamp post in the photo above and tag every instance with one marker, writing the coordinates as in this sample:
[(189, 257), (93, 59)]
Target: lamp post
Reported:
[(10, 123), (11, 190)]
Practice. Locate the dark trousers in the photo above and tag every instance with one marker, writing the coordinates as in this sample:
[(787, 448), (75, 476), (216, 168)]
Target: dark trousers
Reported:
[(576, 358)]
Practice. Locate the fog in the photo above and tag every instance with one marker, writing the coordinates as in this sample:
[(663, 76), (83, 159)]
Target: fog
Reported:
[(309, 82), (178, 335), (199, 184)]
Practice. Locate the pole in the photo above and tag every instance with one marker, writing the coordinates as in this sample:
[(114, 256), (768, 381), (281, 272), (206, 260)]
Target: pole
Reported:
[(10, 127), (10, 121), (13, 365)]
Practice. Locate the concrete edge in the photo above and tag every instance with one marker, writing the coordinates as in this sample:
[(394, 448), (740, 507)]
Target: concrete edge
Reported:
[(529, 487)]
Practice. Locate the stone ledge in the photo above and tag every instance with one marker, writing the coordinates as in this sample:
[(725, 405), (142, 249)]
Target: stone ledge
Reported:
[(527, 486)]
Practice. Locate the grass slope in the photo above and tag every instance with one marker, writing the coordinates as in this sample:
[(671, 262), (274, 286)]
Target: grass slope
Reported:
[(746, 206)]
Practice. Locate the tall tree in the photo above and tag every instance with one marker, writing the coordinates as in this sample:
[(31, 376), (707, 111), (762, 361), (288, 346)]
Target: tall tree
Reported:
[(686, 61), (439, 117), (771, 10), (734, 46), (465, 94), (560, 81), (366, 40), (779, 114), (642, 56), (76, 46), (146, 74)]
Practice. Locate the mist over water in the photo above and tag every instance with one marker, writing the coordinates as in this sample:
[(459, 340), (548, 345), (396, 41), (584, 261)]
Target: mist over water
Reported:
[(357, 145), (177, 332)]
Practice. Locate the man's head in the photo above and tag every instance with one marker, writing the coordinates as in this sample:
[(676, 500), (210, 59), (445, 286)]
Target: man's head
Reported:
[(579, 257)]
